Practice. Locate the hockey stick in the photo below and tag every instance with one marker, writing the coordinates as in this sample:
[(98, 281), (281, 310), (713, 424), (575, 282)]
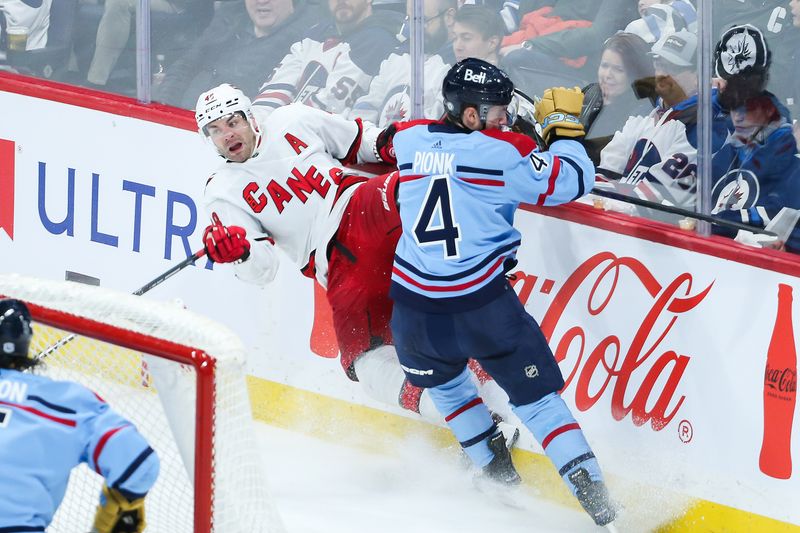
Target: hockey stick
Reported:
[(678, 211), (138, 292)]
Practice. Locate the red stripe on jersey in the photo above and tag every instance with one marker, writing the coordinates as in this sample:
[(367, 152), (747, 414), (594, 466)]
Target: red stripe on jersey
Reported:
[(465, 407), (412, 177), (283, 97), (352, 153), (558, 431), (551, 181), (482, 181), (102, 444), (436, 288), (31, 410), (524, 144)]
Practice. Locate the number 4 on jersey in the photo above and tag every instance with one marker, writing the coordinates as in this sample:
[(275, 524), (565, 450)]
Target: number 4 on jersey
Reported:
[(435, 223)]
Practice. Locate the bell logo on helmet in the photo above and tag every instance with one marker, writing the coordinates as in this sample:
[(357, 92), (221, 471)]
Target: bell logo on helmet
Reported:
[(477, 78), (8, 347)]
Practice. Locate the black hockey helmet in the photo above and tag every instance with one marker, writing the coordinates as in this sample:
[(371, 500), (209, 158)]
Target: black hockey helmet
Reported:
[(15, 334), (478, 83)]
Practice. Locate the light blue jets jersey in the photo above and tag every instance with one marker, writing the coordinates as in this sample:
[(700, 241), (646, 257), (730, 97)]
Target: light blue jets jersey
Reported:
[(458, 193), (46, 428)]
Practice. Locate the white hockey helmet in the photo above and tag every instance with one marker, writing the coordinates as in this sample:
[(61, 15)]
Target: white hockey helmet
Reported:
[(221, 101)]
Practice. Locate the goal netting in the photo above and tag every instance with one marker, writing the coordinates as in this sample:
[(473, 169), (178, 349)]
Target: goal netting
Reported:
[(179, 377)]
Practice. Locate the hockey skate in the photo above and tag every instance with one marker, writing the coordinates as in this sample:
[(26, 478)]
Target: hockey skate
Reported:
[(501, 469), (593, 497), (510, 433)]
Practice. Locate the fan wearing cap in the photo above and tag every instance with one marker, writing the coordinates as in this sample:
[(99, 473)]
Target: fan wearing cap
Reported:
[(655, 156), (756, 173), (662, 18)]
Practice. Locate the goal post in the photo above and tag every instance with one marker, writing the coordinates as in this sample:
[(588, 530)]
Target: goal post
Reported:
[(179, 377)]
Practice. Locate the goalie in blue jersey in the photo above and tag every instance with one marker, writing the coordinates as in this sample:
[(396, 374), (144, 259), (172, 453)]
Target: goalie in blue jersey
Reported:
[(461, 180), (48, 427)]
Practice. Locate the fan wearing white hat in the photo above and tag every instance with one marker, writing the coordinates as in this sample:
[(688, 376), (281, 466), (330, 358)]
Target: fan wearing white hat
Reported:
[(655, 157)]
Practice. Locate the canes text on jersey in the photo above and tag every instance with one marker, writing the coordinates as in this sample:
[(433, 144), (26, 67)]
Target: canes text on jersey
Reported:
[(301, 184)]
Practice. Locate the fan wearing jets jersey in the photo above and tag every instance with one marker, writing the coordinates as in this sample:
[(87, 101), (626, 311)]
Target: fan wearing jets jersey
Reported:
[(461, 180)]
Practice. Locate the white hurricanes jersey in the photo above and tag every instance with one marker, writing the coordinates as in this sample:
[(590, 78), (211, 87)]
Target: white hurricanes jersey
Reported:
[(320, 74), (654, 154), (388, 99), (290, 191)]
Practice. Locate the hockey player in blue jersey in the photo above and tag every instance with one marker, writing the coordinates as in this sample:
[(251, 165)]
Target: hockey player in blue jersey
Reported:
[(461, 180), (48, 427)]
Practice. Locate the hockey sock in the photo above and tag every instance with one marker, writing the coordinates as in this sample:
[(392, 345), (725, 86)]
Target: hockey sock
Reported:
[(553, 425), (381, 377), (467, 416)]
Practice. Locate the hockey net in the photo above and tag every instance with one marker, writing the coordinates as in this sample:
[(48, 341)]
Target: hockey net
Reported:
[(179, 377)]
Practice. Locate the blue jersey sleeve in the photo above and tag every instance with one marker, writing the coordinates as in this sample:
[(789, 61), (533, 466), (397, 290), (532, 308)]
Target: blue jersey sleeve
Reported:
[(117, 451), (559, 175)]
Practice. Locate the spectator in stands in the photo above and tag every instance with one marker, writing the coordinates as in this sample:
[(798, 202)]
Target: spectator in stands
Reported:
[(623, 87), (244, 40), (642, 5), (114, 31), (555, 37), (656, 155), (774, 20), (757, 171), (668, 16), (388, 99), (478, 32), (794, 94), (331, 71), (32, 15)]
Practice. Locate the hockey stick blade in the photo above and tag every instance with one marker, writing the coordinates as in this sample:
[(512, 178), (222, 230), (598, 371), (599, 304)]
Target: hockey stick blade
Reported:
[(678, 211)]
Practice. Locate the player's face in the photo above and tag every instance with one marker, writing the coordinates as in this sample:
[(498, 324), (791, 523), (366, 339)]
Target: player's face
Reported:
[(349, 12), (233, 137), (469, 42), (268, 14), (795, 7), (497, 117), (612, 76)]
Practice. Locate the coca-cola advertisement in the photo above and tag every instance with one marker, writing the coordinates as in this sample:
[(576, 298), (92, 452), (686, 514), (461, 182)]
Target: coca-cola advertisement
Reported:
[(681, 366)]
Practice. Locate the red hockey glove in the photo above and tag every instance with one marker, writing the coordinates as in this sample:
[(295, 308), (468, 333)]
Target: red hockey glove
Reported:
[(226, 244), (384, 144)]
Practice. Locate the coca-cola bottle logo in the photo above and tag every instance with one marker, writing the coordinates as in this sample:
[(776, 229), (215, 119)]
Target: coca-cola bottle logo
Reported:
[(780, 379)]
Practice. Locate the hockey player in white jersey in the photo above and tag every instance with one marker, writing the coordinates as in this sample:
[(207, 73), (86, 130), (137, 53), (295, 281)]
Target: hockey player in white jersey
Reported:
[(48, 427), (330, 72), (285, 178), (461, 180), (388, 99)]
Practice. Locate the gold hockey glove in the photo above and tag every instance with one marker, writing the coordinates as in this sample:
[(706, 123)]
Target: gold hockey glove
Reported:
[(118, 515), (558, 111)]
